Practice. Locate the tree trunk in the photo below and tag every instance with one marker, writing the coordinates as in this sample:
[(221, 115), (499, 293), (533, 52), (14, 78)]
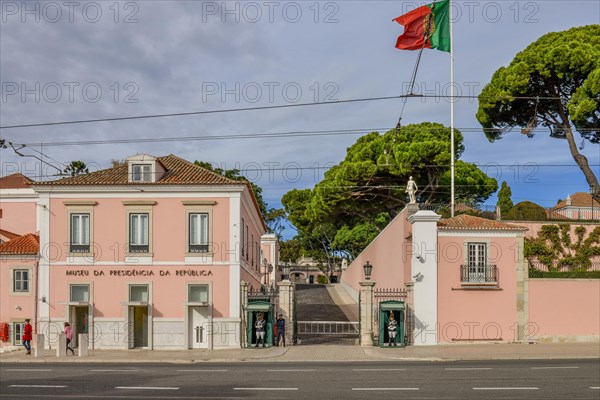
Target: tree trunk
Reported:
[(579, 158)]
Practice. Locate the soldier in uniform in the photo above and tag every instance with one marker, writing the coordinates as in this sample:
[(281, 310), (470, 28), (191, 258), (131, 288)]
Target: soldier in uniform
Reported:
[(259, 327), (391, 326)]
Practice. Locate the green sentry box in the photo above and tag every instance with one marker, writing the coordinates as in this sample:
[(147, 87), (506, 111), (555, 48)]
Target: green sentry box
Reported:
[(385, 308), (253, 309)]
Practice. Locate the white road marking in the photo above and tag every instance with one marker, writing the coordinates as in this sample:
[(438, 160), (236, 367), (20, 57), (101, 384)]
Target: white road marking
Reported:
[(554, 367), (270, 389), (113, 370), (147, 388), (291, 370), (382, 389), (201, 370), (27, 370), (505, 388), (595, 387), (467, 369), (379, 369), (38, 386)]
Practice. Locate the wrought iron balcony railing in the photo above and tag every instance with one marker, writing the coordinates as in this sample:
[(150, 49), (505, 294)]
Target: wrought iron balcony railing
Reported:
[(478, 273)]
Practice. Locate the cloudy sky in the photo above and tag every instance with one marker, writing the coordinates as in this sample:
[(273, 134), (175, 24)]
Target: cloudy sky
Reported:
[(62, 61)]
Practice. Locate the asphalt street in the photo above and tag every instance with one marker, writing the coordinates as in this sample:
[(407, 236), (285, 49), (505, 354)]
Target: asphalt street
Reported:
[(523, 379)]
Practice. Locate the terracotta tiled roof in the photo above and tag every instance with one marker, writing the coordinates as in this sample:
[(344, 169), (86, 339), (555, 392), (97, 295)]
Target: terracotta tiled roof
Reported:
[(470, 222), (8, 234), (179, 172), (26, 244), (15, 181), (579, 199)]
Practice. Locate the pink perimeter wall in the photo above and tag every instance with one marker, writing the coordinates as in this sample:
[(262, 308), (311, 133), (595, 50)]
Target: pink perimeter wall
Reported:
[(169, 292), (390, 255), (561, 307), (482, 314)]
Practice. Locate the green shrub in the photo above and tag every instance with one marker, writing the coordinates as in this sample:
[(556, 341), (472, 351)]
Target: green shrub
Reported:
[(322, 279), (527, 211)]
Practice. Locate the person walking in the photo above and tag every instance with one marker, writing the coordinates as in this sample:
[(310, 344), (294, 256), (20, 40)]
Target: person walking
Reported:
[(27, 336), (280, 329), (69, 335)]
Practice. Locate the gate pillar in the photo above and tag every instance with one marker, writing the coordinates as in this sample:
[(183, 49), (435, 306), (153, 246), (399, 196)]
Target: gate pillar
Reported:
[(410, 302), (366, 312), (286, 307)]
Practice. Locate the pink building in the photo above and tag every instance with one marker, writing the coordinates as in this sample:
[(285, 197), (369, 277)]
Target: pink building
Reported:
[(469, 281), (17, 206), (19, 259), (148, 254), (580, 205)]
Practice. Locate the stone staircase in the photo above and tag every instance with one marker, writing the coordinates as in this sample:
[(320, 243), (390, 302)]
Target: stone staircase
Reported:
[(324, 315)]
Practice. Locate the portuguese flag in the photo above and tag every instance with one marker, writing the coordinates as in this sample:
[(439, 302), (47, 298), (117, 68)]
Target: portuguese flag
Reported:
[(433, 19)]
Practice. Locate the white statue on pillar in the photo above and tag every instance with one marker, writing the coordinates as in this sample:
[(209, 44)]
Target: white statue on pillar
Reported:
[(411, 189)]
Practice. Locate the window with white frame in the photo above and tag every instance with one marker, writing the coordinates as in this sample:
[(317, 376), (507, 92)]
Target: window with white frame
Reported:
[(198, 233), (141, 173), (80, 233), (21, 280), (477, 269), (246, 237), (242, 239), (139, 233), (18, 329), (198, 294), (80, 293), (138, 293)]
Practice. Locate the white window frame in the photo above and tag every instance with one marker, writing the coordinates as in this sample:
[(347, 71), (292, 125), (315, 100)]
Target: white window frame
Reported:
[(198, 223), (141, 172), (80, 284), (17, 328), (477, 260), (242, 235), (14, 280), (190, 285), (199, 207), (147, 286), (138, 238), (83, 239)]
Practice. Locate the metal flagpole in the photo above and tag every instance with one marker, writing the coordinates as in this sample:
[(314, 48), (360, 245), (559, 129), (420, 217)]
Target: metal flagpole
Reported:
[(451, 110)]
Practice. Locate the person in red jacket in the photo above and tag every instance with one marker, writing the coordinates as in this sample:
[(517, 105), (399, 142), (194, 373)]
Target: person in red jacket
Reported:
[(27, 336)]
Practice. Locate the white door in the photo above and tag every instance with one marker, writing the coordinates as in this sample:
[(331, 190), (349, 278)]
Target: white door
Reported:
[(198, 328)]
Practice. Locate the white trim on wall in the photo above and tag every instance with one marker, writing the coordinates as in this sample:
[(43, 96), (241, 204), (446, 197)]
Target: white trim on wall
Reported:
[(235, 220), (478, 233)]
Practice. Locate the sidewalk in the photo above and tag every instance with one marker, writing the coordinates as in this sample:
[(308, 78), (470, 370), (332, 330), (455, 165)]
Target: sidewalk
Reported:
[(488, 351)]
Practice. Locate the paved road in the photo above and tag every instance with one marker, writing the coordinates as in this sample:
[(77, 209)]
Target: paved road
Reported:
[(526, 379)]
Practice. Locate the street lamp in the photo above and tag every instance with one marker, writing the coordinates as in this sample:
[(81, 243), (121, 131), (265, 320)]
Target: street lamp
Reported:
[(368, 268), (592, 192), (268, 269)]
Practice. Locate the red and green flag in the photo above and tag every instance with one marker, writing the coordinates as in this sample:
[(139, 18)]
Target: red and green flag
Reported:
[(427, 26)]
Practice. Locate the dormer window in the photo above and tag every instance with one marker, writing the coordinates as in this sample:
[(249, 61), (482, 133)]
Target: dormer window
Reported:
[(141, 173), (143, 168)]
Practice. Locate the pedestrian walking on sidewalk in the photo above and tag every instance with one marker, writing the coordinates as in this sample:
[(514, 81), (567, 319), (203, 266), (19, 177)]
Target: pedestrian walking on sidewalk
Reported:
[(280, 329), (69, 335), (27, 336)]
